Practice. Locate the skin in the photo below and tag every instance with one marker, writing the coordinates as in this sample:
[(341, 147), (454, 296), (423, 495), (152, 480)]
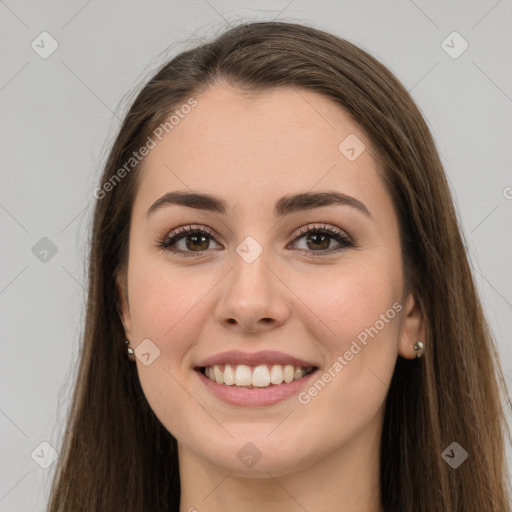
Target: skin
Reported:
[(251, 151)]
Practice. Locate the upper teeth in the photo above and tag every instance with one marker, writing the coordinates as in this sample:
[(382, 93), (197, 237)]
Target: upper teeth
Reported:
[(260, 376)]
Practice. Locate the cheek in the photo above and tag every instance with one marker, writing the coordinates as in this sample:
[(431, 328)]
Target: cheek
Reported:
[(345, 302), (357, 310), (168, 305)]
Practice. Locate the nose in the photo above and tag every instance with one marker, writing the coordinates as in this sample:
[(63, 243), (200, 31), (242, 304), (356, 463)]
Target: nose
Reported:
[(253, 298)]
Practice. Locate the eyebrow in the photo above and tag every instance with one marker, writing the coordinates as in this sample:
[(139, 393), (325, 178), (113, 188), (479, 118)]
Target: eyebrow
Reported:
[(284, 206)]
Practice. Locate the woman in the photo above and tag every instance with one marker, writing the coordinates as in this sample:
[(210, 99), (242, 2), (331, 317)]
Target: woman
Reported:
[(281, 314)]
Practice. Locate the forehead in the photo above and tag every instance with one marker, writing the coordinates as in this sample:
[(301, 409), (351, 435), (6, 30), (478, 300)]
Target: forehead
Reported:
[(259, 146)]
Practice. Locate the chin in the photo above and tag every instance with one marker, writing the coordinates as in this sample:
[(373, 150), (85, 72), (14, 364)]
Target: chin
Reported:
[(257, 456)]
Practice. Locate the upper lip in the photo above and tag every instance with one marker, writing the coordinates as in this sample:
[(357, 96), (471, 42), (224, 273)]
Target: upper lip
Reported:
[(236, 357)]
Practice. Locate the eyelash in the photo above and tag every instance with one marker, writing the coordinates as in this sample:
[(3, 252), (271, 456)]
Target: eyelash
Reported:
[(182, 232)]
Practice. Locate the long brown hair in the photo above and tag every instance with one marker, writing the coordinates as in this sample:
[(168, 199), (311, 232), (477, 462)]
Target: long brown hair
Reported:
[(116, 455)]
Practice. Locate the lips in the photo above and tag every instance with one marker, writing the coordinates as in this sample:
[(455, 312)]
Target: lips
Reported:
[(252, 396), (266, 357), (259, 378)]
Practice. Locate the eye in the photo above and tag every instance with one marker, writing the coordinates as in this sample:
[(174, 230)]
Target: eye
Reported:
[(319, 237), (196, 239)]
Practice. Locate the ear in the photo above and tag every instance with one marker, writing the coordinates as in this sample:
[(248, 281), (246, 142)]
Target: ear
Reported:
[(123, 307), (412, 329)]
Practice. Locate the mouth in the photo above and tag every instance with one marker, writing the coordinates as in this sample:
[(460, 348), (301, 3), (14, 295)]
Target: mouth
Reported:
[(263, 378), (255, 376)]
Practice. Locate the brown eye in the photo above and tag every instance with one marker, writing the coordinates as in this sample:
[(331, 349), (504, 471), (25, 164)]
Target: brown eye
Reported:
[(199, 242), (194, 241), (318, 239), (187, 240)]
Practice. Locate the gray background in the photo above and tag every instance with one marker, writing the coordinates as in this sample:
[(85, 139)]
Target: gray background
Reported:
[(59, 115)]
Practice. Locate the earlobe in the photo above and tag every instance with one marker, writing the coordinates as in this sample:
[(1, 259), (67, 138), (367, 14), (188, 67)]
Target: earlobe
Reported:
[(412, 335)]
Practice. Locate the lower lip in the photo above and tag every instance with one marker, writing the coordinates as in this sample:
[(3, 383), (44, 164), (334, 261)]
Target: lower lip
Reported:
[(255, 396)]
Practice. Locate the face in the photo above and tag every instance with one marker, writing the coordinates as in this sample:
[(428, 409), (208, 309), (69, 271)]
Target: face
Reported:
[(312, 283)]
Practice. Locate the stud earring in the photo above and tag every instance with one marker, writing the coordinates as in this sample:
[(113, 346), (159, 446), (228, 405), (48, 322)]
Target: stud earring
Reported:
[(419, 347), (131, 355)]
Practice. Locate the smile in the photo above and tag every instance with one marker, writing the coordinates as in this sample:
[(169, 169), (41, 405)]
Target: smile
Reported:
[(260, 376)]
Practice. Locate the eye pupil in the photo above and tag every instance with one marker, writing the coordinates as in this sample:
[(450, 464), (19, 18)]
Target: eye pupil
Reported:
[(202, 239), (322, 238)]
